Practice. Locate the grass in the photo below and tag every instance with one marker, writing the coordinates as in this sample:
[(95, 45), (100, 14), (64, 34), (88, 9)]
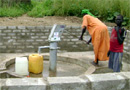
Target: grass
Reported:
[(41, 9), (15, 10), (103, 9)]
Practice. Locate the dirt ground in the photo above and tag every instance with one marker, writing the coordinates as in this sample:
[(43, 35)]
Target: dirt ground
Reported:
[(44, 21)]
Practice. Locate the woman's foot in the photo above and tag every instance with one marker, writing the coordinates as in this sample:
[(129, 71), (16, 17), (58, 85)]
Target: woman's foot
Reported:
[(95, 64)]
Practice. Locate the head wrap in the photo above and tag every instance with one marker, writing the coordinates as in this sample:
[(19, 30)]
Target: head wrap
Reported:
[(86, 11)]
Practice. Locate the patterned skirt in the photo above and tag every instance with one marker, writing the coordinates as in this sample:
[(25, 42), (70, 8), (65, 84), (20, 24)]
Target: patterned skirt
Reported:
[(115, 61)]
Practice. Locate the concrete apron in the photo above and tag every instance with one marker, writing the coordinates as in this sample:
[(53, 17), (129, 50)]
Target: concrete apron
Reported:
[(86, 81), (66, 65)]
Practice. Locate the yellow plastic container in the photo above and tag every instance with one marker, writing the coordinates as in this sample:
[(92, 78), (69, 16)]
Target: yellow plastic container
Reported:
[(35, 63)]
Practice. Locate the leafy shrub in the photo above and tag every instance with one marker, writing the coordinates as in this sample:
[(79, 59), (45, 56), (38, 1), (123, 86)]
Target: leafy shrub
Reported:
[(41, 9)]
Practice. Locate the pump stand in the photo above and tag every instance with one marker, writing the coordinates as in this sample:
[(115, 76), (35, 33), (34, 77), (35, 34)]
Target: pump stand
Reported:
[(54, 37), (53, 59)]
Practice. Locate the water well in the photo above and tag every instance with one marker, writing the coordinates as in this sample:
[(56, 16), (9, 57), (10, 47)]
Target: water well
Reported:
[(65, 67), (99, 80), (71, 80)]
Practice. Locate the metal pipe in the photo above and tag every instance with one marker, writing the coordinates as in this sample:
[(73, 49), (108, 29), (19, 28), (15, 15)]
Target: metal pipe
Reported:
[(53, 59), (42, 47)]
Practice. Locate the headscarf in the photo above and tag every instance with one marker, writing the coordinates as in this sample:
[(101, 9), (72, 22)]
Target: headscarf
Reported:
[(86, 11)]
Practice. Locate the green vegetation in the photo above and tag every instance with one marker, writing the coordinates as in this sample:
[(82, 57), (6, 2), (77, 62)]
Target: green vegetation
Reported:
[(15, 10), (103, 9)]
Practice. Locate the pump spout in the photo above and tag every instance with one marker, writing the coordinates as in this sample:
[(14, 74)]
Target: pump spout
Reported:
[(42, 47)]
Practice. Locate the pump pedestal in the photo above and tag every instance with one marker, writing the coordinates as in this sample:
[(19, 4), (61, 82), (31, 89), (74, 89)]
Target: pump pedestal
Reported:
[(54, 37)]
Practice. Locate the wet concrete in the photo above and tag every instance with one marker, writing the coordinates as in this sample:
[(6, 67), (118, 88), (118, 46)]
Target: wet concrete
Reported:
[(63, 69)]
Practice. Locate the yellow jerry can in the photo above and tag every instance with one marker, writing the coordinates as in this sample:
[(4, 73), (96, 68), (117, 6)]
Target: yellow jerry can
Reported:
[(35, 63)]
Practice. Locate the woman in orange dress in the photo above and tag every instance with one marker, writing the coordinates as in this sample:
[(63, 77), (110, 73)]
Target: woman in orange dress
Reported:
[(99, 36)]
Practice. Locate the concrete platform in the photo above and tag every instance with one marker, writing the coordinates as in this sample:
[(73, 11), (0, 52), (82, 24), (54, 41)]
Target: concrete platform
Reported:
[(87, 81), (85, 56), (68, 63)]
